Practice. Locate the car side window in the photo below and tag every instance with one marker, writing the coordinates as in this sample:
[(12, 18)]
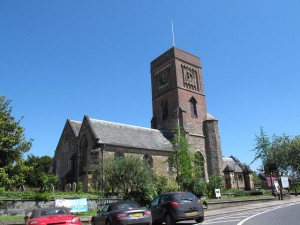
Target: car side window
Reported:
[(155, 201), (164, 198), (105, 208)]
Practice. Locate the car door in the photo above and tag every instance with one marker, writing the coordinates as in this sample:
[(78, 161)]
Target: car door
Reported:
[(156, 210), (100, 218)]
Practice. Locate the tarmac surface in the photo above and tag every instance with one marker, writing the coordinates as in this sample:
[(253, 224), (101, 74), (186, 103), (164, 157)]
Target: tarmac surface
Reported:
[(208, 212), (222, 211)]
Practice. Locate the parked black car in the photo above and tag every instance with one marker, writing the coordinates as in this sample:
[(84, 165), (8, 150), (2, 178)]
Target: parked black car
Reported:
[(122, 213), (176, 206)]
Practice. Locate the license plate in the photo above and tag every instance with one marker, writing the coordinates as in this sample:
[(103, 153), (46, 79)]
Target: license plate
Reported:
[(191, 213), (136, 214)]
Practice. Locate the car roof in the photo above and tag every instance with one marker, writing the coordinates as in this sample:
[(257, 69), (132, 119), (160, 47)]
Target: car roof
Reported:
[(175, 192), (121, 202)]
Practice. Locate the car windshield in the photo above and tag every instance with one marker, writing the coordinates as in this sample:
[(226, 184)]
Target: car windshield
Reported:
[(183, 196), (47, 212)]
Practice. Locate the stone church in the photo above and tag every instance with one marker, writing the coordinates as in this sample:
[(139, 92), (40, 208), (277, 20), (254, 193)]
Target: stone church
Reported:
[(178, 99)]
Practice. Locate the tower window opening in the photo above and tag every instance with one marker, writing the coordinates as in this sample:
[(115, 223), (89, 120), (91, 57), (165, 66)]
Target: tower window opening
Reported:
[(193, 106), (164, 110)]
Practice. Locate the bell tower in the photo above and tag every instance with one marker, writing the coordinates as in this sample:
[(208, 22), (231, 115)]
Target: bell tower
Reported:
[(178, 99)]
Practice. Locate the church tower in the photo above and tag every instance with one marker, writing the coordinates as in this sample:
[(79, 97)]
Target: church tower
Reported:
[(178, 99)]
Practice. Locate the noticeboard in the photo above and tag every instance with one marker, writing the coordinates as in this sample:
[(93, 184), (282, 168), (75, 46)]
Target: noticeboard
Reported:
[(285, 182), (218, 193)]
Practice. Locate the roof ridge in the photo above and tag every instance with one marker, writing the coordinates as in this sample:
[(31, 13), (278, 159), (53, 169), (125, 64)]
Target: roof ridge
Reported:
[(127, 125)]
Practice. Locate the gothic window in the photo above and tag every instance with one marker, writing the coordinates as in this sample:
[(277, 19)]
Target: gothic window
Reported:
[(148, 160), (193, 107), (65, 160), (170, 165), (118, 155), (164, 110), (83, 156), (57, 168), (199, 165)]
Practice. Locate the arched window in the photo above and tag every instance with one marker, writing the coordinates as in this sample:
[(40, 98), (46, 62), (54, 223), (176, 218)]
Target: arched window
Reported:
[(148, 160), (199, 165), (164, 110), (83, 156), (193, 107), (171, 165), (65, 159)]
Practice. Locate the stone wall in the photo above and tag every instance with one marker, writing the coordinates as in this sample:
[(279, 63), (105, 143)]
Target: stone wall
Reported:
[(17, 207)]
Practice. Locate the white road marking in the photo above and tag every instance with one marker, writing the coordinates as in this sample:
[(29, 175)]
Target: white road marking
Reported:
[(243, 221)]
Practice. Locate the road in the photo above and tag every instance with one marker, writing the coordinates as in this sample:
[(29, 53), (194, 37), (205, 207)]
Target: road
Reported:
[(275, 213)]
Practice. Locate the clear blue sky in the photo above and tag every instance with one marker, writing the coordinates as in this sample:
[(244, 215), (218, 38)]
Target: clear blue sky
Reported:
[(64, 59)]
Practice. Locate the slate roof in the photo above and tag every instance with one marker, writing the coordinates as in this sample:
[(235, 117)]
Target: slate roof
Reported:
[(228, 168), (208, 116), (130, 136), (230, 165), (75, 126)]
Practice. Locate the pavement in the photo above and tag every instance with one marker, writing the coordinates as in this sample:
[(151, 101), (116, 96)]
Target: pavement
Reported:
[(222, 211)]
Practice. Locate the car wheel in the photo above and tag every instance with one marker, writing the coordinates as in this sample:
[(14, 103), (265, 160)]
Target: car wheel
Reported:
[(200, 219), (169, 220), (157, 223), (92, 221)]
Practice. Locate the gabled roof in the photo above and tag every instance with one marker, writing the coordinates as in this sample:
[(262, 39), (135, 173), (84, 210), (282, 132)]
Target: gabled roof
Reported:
[(75, 125), (130, 136), (228, 168), (231, 165)]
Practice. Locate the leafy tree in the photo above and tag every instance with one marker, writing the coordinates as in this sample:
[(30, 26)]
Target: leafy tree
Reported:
[(279, 153), (14, 175), (40, 167), (256, 179), (12, 138), (164, 184), (198, 186), (262, 147), (215, 182), (182, 159), (46, 180), (128, 176), (5, 181)]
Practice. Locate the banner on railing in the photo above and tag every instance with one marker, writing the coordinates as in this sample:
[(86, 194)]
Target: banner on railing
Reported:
[(75, 205)]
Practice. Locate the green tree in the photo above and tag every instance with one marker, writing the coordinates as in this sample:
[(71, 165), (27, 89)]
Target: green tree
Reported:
[(182, 159), (215, 182), (12, 138), (14, 175), (256, 180), (128, 176), (46, 180), (40, 167), (198, 186), (278, 154), (262, 147), (165, 184)]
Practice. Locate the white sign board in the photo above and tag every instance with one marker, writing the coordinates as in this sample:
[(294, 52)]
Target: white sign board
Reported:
[(285, 182), (277, 187), (218, 193)]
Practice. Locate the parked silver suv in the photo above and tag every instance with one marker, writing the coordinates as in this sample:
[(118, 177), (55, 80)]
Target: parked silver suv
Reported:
[(176, 206)]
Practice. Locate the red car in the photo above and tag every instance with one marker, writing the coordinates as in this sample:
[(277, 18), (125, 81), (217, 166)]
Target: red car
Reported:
[(53, 215)]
